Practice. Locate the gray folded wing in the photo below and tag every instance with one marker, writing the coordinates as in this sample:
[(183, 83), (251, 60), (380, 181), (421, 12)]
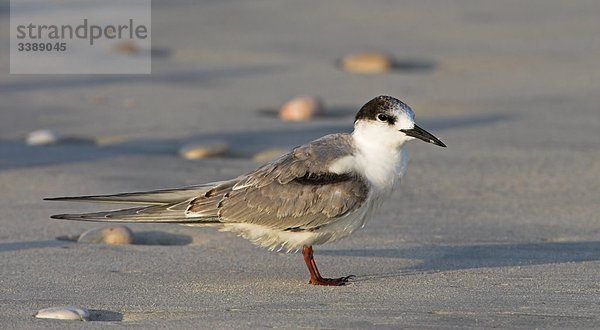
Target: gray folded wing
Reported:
[(296, 192)]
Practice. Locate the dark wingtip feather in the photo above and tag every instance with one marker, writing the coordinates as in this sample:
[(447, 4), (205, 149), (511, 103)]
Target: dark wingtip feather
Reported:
[(67, 217), (73, 198), (77, 217)]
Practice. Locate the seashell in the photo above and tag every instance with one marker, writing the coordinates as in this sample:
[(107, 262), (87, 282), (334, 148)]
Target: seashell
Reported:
[(64, 313), (367, 62), (301, 108), (203, 150), (268, 155), (118, 234), (127, 48), (42, 137)]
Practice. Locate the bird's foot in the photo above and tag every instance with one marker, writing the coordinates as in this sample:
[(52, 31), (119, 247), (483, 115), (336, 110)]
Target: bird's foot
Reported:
[(331, 281)]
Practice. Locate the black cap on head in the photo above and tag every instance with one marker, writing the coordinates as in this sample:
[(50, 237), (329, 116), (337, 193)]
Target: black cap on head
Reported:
[(380, 105), (387, 109)]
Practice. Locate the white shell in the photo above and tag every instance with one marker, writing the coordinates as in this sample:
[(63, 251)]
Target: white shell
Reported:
[(64, 313), (42, 137)]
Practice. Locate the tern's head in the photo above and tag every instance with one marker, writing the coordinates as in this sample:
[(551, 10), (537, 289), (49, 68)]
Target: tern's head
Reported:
[(390, 122)]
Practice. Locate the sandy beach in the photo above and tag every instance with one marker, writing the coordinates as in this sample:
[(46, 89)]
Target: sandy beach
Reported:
[(500, 229)]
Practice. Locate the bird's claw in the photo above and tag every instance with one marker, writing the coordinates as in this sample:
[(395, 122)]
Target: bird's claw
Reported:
[(331, 281)]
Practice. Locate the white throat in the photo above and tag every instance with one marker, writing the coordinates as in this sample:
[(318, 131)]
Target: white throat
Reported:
[(379, 154)]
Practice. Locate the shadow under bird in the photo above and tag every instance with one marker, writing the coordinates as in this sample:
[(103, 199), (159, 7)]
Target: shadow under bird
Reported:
[(317, 193)]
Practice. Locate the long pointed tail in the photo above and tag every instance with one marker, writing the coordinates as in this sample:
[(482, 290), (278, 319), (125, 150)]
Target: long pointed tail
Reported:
[(154, 197), (162, 206), (172, 213)]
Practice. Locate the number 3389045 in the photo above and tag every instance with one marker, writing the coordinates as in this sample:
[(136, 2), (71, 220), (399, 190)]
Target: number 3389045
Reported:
[(42, 46)]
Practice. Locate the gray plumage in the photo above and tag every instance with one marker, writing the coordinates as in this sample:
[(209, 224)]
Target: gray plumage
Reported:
[(158, 197), (295, 193)]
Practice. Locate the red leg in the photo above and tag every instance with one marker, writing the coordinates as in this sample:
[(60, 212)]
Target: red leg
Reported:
[(315, 276)]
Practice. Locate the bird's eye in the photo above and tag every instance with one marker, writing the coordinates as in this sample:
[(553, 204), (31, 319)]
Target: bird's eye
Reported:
[(382, 117)]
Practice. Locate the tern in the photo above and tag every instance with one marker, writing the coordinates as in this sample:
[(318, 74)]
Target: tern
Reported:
[(317, 193)]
